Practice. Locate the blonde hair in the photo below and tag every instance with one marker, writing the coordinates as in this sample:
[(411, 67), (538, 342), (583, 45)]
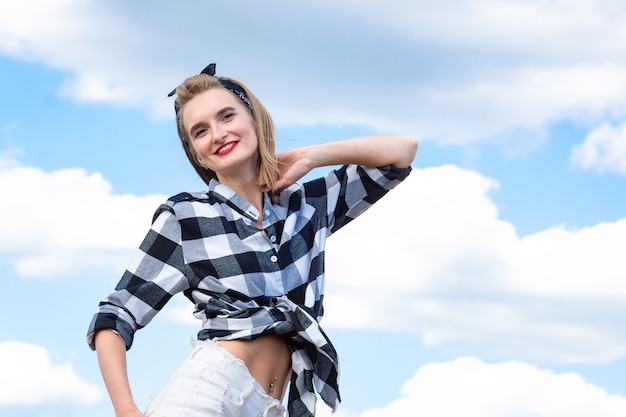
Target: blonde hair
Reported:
[(264, 127)]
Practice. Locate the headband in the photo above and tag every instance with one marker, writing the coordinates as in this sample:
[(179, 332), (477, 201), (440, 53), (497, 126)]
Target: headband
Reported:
[(232, 86)]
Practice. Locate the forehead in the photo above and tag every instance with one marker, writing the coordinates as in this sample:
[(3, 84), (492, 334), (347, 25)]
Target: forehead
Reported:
[(208, 103)]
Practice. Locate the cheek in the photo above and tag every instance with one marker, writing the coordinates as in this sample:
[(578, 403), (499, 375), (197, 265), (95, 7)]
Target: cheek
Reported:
[(252, 133), (198, 148)]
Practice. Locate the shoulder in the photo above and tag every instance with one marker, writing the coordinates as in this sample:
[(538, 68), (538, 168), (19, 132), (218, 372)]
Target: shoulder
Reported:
[(189, 197), (182, 204)]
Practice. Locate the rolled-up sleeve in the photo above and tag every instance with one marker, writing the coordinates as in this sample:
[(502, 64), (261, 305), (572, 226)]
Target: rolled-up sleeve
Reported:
[(155, 275), (352, 189)]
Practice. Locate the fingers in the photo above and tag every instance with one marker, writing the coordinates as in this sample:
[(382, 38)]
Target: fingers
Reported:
[(281, 184)]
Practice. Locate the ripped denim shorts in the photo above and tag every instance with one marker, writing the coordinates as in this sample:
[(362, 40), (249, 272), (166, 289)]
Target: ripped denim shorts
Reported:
[(213, 383)]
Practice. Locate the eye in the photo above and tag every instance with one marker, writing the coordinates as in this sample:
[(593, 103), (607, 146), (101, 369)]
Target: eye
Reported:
[(199, 133), (228, 116)]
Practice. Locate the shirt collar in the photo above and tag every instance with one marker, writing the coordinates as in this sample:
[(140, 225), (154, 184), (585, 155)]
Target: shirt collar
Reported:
[(228, 196)]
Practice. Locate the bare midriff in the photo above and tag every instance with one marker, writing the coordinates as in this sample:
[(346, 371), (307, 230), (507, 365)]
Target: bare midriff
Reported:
[(267, 358)]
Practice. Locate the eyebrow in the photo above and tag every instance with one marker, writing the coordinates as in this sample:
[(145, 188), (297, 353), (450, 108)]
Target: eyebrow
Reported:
[(219, 113)]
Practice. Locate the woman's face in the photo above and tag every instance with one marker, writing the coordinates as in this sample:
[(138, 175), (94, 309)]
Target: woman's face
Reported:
[(222, 133)]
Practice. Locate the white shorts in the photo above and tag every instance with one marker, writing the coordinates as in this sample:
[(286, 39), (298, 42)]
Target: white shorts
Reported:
[(213, 383)]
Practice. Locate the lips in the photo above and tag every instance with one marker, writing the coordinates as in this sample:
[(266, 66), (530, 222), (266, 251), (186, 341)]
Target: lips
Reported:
[(224, 149)]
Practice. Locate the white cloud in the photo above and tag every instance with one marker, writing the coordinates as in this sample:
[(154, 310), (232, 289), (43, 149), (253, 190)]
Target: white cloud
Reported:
[(93, 42), (433, 257), (453, 72), (603, 150), (29, 378), (68, 222), (561, 262), (471, 388)]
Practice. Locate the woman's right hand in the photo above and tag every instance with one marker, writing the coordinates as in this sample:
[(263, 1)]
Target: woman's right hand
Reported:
[(111, 352), (131, 413), (134, 412)]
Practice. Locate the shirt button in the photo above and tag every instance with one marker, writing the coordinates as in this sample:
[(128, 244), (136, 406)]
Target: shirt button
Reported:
[(274, 258), (267, 212), (273, 239)]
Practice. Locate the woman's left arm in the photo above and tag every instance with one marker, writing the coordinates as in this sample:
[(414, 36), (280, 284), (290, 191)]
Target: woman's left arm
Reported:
[(371, 151)]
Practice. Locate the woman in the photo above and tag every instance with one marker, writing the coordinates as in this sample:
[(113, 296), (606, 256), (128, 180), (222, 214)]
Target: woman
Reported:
[(249, 253)]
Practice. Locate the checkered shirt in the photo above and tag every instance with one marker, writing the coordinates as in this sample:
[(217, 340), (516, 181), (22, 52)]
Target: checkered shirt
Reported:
[(246, 282)]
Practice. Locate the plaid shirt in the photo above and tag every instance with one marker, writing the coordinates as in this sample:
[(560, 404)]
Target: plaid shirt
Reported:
[(246, 282)]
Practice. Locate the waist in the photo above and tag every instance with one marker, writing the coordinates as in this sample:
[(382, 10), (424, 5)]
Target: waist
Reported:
[(267, 358)]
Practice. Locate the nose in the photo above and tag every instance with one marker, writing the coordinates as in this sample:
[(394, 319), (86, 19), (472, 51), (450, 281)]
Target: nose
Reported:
[(219, 134)]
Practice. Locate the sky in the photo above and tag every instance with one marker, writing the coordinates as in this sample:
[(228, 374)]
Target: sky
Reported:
[(491, 283)]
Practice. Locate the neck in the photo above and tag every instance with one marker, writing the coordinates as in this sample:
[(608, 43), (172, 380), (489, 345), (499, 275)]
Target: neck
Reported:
[(246, 188)]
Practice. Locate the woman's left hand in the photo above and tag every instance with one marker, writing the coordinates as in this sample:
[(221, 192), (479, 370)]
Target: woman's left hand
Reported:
[(293, 164)]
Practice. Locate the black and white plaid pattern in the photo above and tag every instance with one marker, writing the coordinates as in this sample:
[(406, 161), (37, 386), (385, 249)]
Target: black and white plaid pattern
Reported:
[(246, 282)]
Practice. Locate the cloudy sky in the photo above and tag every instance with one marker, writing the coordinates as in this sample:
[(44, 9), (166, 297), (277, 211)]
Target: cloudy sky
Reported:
[(491, 283)]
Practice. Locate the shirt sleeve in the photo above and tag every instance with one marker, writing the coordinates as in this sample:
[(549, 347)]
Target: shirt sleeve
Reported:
[(352, 189), (155, 275)]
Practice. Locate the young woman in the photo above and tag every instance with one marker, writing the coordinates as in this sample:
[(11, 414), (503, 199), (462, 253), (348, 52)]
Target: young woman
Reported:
[(249, 253)]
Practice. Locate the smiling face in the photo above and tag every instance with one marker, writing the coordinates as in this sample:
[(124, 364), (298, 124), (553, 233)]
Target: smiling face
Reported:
[(222, 134)]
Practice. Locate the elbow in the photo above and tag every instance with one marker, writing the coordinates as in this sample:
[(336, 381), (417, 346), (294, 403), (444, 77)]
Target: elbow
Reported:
[(409, 149)]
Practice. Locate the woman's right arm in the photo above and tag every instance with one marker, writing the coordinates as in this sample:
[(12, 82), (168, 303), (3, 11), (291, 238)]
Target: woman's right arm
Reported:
[(111, 352), (113, 327)]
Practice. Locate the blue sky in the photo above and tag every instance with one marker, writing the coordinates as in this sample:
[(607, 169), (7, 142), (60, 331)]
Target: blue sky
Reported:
[(492, 281)]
